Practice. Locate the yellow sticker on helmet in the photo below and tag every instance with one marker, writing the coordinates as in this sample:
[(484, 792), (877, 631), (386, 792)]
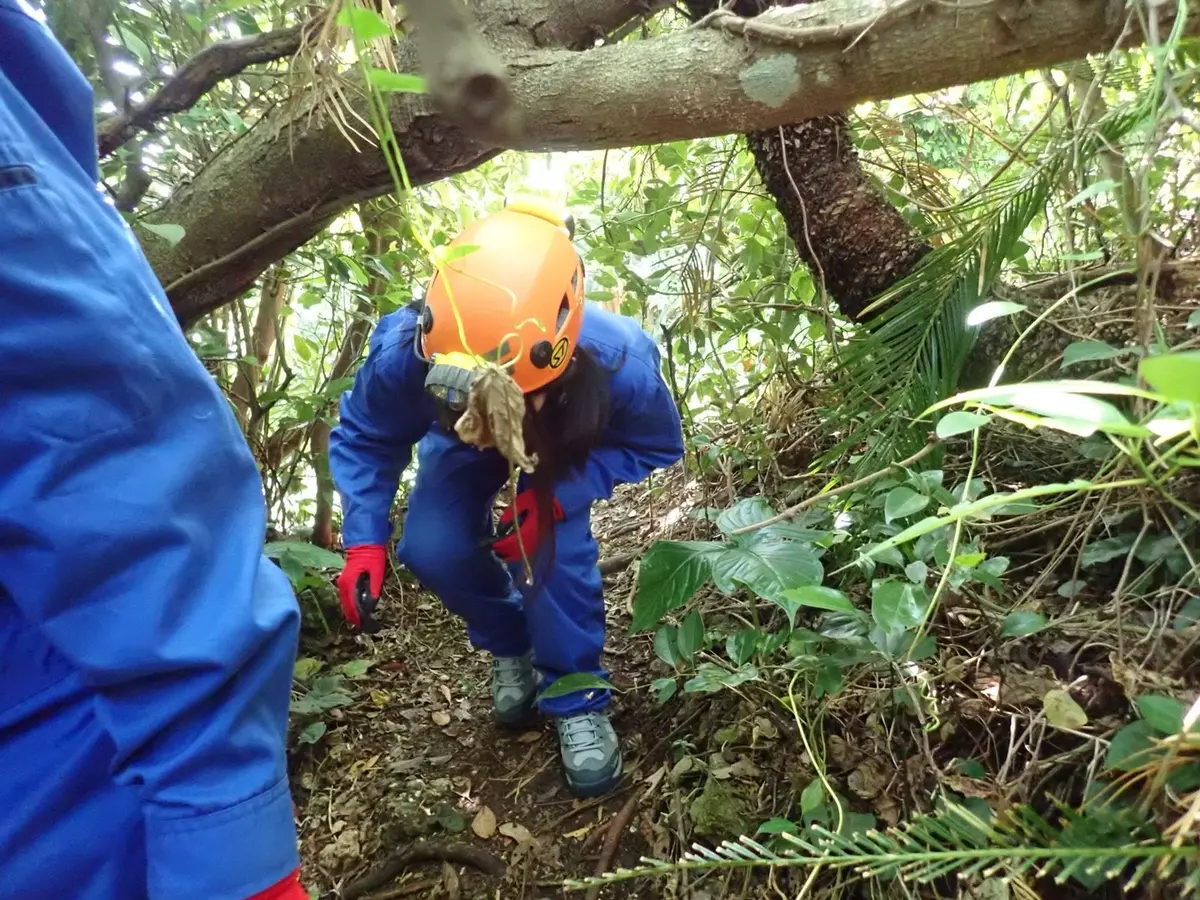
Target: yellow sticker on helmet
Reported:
[(558, 355), (533, 207)]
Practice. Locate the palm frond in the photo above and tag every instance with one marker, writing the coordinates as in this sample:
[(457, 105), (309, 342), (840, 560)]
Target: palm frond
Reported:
[(1096, 845), (913, 350)]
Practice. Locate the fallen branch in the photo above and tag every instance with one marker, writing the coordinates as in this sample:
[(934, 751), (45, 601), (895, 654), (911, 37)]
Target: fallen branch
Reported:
[(763, 28), (417, 853), (615, 564), (195, 78), (612, 836), (853, 485)]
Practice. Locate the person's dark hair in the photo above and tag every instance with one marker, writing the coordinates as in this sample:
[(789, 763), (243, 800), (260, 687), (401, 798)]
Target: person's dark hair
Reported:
[(567, 427)]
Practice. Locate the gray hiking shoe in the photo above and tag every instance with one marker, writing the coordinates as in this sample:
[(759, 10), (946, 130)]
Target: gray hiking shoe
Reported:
[(514, 689), (591, 753)]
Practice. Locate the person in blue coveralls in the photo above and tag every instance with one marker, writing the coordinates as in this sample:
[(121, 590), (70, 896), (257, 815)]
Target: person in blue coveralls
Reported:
[(597, 413), (146, 645)]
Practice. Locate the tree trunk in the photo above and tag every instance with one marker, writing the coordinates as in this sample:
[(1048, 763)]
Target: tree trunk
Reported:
[(854, 242), (381, 222), (275, 187), (262, 339)]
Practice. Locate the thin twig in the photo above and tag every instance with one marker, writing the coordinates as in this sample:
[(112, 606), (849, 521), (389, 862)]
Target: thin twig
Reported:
[(419, 852), (853, 485), (801, 36)]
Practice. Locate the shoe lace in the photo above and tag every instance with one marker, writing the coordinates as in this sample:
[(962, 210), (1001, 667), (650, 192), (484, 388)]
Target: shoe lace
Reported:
[(509, 672), (581, 732)]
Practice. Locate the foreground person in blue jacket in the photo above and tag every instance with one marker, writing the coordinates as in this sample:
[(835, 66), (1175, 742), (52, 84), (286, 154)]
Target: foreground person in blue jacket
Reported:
[(597, 413), (146, 645)]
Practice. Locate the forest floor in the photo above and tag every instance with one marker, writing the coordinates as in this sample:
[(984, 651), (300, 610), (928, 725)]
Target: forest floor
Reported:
[(415, 763), (406, 788)]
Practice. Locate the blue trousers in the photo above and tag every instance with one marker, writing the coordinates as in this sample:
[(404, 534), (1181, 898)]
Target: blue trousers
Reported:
[(444, 545)]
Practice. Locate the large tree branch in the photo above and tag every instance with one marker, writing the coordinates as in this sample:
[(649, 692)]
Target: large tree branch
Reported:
[(195, 78), (276, 187)]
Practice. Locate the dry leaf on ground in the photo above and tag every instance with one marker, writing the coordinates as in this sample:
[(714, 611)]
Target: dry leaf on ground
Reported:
[(484, 823)]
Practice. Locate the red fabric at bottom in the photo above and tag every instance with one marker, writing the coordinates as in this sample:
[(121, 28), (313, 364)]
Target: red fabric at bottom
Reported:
[(288, 889)]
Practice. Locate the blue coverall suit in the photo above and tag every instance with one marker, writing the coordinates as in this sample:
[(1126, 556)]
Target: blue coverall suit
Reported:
[(146, 645), (449, 519)]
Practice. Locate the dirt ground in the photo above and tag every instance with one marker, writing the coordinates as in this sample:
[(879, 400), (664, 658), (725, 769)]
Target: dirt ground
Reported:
[(416, 767)]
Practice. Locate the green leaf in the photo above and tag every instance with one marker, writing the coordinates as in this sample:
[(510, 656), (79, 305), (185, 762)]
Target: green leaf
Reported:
[(356, 668), (746, 512), (169, 232), (387, 81), (740, 645), (1193, 320), (669, 576), (1092, 190), (666, 646), (305, 668), (710, 678), (1062, 711), (778, 826), (959, 422), (1164, 713), (993, 309), (1070, 589), (767, 567), (691, 635), (304, 553), (896, 606), (972, 768), (451, 819), (664, 689), (1106, 550), (902, 502), (1174, 375), (818, 596), (812, 797), (916, 572), (576, 681), (312, 733), (1021, 623), (1089, 351), (1131, 747), (366, 24)]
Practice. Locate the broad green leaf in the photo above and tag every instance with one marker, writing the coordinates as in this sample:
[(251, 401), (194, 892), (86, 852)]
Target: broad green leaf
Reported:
[(1070, 589), (812, 797), (304, 553), (767, 568), (1089, 351), (746, 512), (691, 635), (576, 681), (312, 733), (710, 678), (1164, 713), (903, 502), (897, 606), (916, 572), (1106, 550), (666, 645), (972, 768), (818, 596), (669, 576), (1132, 747), (1062, 711), (1021, 623), (664, 688), (960, 421), (356, 668), (993, 309), (366, 24), (306, 667), (169, 232), (1174, 375), (829, 682), (740, 645), (778, 826), (1097, 187), (1193, 320), (387, 81)]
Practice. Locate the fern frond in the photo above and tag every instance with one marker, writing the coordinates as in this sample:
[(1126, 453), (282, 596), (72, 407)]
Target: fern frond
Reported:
[(1020, 844)]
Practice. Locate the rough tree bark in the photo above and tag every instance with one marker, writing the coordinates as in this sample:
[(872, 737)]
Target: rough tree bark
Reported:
[(280, 184), (244, 391), (852, 239)]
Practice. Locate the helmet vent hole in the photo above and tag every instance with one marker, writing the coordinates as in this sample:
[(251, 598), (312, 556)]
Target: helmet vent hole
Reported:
[(564, 310)]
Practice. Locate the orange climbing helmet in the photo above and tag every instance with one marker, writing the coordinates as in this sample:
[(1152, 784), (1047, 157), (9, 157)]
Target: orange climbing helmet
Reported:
[(509, 291)]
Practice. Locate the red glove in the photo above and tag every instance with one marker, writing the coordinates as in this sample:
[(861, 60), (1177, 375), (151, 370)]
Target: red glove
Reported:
[(364, 559), (526, 515), (288, 889)]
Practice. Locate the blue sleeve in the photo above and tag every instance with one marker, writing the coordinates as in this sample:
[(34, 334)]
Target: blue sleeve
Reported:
[(382, 416), (132, 518), (645, 432)]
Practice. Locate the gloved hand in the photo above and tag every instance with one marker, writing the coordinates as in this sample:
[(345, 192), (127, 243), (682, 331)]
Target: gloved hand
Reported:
[(288, 889), (525, 514), (363, 560)]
